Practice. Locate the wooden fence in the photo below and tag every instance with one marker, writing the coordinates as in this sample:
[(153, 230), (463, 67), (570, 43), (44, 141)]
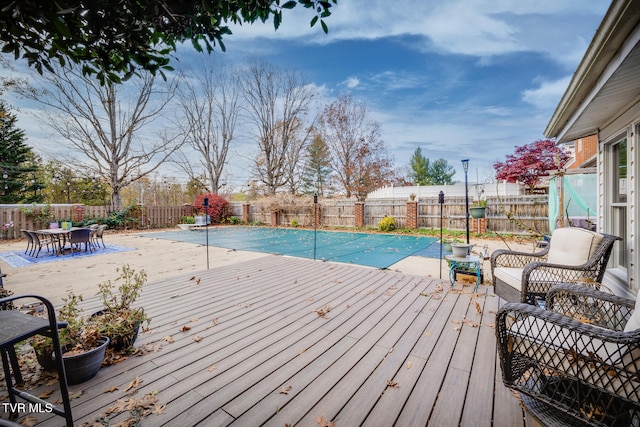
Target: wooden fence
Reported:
[(515, 215)]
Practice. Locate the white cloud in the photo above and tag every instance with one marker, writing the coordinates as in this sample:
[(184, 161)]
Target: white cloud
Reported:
[(352, 82), (547, 94)]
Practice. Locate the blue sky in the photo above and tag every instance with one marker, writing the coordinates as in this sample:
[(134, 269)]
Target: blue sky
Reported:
[(457, 78)]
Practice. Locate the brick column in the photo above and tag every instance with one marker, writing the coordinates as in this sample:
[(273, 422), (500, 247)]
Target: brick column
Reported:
[(483, 225), (412, 214), (274, 218), (78, 212), (358, 212), (245, 213)]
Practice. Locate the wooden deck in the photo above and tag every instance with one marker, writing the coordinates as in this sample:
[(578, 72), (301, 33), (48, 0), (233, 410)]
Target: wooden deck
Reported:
[(251, 346)]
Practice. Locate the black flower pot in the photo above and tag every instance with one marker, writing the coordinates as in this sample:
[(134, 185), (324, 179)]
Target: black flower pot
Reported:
[(82, 367)]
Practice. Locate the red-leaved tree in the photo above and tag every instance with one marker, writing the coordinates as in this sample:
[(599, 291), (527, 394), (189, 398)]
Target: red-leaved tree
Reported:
[(530, 162), (218, 207)]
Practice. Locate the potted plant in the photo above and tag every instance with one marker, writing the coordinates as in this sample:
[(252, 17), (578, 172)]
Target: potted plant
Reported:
[(119, 320), (82, 344), (477, 210), (446, 245), (461, 250), (186, 222)]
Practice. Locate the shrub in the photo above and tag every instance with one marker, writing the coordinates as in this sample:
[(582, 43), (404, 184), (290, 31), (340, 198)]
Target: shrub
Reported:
[(188, 220), (294, 223), (218, 207), (387, 224), (234, 220)]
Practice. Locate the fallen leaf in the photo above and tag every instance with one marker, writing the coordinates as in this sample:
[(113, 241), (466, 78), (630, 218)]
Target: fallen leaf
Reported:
[(215, 322), (303, 350), (198, 281), (29, 421), (133, 384), (193, 320), (197, 338), (409, 364), (169, 339), (111, 389), (212, 368), (478, 309), (192, 277), (76, 394), (45, 394), (392, 384), (285, 389), (185, 328), (323, 422)]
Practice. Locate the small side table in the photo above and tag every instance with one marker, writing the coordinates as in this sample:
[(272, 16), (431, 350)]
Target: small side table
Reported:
[(470, 263)]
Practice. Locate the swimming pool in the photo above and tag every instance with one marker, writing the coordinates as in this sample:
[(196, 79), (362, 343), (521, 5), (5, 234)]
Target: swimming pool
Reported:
[(370, 249)]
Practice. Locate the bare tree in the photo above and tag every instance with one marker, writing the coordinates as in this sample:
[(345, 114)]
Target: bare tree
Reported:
[(276, 103), (359, 156), (104, 124), (211, 104)]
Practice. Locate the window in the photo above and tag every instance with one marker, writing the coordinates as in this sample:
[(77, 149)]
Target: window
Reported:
[(618, 200)]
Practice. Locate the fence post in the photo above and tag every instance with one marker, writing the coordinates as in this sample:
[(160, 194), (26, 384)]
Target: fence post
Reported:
[(245, 212), (358, 213), (412, 214)]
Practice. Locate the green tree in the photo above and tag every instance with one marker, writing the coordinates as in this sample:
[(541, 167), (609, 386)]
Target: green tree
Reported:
[(14, 155), (441, 172), (317, 168), (419, 168), (114, 40)]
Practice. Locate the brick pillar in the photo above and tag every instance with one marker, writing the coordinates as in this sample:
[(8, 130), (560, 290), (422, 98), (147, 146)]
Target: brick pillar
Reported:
[(78, 213), (358, 212), (245, 213), (412, 214), (482, 222), (274, 218)]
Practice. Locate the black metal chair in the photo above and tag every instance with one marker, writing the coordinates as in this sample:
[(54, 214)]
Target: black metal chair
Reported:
[(574, 255), (79, 236), (576, 363), (16, 326)]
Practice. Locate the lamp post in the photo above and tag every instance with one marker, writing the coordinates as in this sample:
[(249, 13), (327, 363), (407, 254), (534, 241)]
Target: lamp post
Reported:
[(465, 166)]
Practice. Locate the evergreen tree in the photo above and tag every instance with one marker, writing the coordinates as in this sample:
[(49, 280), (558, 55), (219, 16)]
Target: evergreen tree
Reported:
[(14, 154), (317, 168), (419, 168), (441, 172)]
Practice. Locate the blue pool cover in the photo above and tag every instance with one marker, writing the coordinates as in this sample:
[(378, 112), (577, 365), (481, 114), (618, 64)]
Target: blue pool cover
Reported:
[(370, 249)]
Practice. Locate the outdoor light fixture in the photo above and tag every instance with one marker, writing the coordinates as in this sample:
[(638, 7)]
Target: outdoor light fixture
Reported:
[(465, 166)]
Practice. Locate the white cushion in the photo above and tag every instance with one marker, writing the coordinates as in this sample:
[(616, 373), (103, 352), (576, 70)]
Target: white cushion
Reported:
[(513, 276), (634, 321), (509, 275), (572, 245)]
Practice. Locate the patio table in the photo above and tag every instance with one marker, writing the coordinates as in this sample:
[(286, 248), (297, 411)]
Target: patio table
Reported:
[(471, 264), (57, 237)]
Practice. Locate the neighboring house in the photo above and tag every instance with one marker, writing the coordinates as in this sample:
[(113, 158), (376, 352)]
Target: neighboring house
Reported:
[(583, 152), (603, 99)]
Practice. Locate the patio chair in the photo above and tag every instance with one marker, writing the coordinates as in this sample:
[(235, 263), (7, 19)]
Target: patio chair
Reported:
[(15, 327), (79, 236), (99, 234), (574, 255), (577, 363), (27, 236), (36, 244)]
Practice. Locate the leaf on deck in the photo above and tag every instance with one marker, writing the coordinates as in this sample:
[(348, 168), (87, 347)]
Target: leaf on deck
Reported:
[(285, 389), (197, 338), (111, 389), (185, 328), (137, 381)]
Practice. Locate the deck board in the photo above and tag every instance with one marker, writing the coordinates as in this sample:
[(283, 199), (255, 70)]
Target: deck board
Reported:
[(391, 351)]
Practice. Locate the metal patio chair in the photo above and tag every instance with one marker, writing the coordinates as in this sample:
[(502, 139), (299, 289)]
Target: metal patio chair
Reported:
[(577, 363), (15, 327), (574, 255)]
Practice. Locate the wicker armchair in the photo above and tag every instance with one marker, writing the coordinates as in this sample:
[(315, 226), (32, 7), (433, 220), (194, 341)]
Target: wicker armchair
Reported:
[(576, 363), (574, 255)]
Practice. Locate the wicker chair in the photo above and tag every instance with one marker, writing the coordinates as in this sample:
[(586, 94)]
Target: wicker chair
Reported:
[(577, 363), (574, 255)]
